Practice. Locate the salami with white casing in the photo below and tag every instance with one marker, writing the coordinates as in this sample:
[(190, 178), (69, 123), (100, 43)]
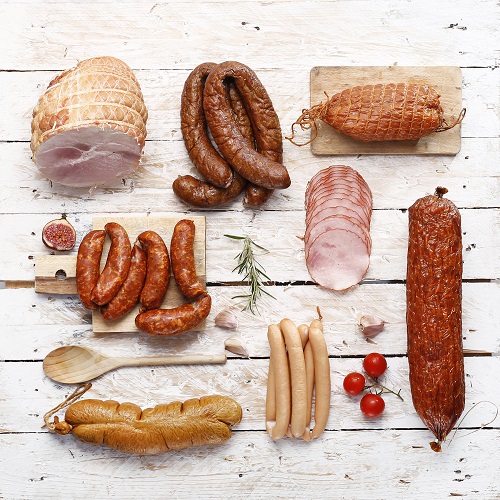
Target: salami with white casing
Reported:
[(89, 127), (337, 240)]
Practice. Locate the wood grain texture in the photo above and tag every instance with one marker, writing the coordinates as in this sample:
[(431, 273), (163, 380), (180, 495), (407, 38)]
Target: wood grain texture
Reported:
[(330, 80)]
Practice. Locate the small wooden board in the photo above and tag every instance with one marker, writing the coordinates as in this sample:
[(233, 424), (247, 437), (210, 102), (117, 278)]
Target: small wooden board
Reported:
[(447, 80), (55, 274)]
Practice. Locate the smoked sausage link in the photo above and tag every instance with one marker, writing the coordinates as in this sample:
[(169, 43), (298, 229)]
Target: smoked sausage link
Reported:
[(255, 195), (253, 165), (202, 153), (128, 295), (87, 265), (158, 270), (182, 257), (203, 195), (434, 313), (165, 427), (117, 265), (177, 320)]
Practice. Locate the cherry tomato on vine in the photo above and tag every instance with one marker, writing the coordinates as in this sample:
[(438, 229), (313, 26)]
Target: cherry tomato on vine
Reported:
[(372, 405), (354, 383), (375, 364)]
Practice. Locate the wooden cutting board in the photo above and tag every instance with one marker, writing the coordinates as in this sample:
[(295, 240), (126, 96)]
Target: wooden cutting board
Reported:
[(55, 274), (447, 80)]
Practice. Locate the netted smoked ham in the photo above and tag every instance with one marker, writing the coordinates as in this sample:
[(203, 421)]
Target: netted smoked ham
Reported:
[(337, 240), (382, 112), (434, 313), (89, 127)]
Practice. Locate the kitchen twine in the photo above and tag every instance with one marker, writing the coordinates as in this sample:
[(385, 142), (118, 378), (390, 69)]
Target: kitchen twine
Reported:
[(63, 427), (462, 419)]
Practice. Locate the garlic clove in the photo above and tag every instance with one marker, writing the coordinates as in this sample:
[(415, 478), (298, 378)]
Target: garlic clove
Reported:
[(234, 345), (227, 319), (371, 325)]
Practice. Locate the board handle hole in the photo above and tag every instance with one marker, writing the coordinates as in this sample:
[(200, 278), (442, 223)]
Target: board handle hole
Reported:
[(60, 275)]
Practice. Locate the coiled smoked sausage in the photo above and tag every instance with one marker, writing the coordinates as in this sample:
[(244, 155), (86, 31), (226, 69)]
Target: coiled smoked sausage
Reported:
[(202, 153), (252, 165)]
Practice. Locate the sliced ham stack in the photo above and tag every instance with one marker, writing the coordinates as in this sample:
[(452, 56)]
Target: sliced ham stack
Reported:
[(89, 127), (337, 240)]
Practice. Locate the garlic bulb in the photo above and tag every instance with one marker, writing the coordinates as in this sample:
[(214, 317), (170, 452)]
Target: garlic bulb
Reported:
[(371, 325), (227, 319)]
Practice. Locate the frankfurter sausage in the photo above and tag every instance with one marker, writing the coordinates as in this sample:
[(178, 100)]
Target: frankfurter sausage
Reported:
[(252, 165), (87, 265), (434, 313), (158, 270), (128, 295), (117, 265), (182, 257), (177, 320), (323, 381), (296, 360), (278, 429), (203, 195), (202, 153)]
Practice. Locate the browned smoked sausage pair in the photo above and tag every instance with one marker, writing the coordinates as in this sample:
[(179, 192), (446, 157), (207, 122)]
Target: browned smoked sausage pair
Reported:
[(229, 100), (142, 275)]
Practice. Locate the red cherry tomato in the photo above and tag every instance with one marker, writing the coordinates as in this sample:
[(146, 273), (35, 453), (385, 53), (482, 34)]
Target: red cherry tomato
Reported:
[(372, 405), (354, 383), (375, 364)]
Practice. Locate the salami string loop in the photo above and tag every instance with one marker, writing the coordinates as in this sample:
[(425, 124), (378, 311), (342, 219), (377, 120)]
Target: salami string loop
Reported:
[(482, 426)]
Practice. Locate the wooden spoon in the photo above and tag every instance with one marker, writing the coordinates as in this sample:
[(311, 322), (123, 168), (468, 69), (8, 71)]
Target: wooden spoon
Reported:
[(75, 364)]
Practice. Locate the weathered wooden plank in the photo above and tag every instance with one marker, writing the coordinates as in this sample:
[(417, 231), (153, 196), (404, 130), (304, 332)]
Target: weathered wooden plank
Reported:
[(470, 177), (287, 87), (46, 322), (280, 233), (151, 35), (33, 394), (345, 465)]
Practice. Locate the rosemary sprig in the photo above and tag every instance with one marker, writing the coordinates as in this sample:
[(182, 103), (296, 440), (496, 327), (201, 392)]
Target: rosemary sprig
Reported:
[(253, 272)]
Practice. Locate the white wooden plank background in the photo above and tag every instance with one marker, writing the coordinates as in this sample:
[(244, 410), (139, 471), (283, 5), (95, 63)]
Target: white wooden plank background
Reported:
[(281, 40)]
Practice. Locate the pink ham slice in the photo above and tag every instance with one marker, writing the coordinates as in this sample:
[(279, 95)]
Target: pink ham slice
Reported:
[(337, 259), (337, 238), (89, 127)]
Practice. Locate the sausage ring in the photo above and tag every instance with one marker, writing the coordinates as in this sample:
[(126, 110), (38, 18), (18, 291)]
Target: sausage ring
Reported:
[(254, 166)]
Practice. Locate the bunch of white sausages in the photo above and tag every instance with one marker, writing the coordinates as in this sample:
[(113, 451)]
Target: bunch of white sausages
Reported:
[(299, 371)]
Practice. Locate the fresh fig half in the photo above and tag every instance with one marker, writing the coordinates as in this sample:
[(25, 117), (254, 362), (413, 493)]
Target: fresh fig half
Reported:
[(59, 234)]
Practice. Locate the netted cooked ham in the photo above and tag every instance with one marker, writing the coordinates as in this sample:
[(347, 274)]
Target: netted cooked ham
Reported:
[(89, 127), (337, 240)]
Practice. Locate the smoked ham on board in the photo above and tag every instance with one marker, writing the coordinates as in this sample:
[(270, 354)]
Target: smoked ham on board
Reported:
[(337, 240)]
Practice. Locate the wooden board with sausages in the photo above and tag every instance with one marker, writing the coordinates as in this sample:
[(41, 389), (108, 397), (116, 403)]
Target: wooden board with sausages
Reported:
[(55, 274)]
